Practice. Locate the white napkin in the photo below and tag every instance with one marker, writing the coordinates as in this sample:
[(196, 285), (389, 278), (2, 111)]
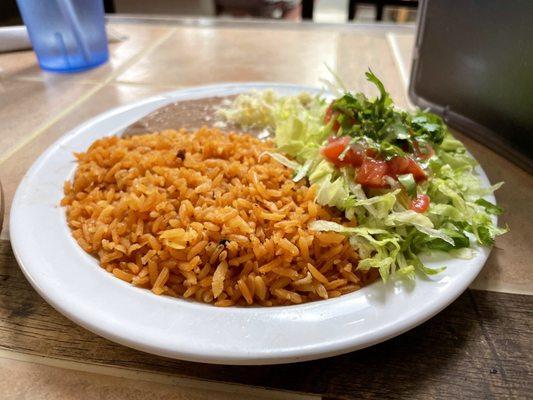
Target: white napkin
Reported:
[(13, 38)]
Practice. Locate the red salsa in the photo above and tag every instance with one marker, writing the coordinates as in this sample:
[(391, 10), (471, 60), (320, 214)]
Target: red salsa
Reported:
[(372, 171)]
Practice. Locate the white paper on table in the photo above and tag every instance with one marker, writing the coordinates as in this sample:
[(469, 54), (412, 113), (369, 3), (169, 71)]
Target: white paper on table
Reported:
[(13, 38)]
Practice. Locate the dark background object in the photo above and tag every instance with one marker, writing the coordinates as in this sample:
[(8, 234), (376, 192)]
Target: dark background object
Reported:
[(9, 13), (473, 64), (109, 7), (308, 9), (255, 8), (380, 5)]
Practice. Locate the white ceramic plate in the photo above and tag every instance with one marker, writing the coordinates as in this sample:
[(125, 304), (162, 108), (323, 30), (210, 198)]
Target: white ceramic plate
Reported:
[(73, 283)]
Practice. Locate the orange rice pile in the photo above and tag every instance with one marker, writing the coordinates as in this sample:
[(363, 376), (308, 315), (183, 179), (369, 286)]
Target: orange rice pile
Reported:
[(204, 216)]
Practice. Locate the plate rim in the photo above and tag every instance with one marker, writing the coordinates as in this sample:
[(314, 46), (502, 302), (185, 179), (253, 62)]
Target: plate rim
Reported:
[(319, 351)]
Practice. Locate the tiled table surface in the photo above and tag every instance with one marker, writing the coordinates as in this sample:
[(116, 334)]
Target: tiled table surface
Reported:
[(36, 108)]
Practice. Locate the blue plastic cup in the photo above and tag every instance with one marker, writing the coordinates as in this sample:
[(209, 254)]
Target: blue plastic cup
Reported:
[(67, 35)]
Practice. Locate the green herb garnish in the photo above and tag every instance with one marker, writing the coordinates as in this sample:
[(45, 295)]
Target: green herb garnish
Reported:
[(386, 128)]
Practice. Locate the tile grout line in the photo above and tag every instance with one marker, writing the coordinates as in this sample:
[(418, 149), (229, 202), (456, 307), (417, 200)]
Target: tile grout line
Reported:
[(35, 134), (396, 53), (43, 80), (402, 69), (189, 383), (97, 82), (152, 85), (337, 53)]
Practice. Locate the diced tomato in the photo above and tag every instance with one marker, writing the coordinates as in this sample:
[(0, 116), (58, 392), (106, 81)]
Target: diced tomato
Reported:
[(423, 150), (334, 149), (372, 153), (329, 114), (406, 165), (353, 157), (416, 170), (372, 173), (420, 203), (399, 165), (336, 146), (332, 114)]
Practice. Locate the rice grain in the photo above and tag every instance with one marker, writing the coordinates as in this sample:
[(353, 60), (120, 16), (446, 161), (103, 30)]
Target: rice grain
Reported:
[(220, 224)]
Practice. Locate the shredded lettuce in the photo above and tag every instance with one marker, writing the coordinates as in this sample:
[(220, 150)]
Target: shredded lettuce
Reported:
[(253, 110), (332, 193), (301, 172), (381, 205), (408, 182), (281, 159), (388, 236)]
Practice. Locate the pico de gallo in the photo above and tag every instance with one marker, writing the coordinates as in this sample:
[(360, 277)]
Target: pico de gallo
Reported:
[(404, 182), (384, 145)]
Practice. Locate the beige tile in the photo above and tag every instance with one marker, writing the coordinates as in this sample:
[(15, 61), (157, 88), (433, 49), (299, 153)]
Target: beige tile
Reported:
[(26, 380), (12, 169), (24, 65), (26, 106), (19, 64), (402, 47), (195, 56), (406, 45), (510, 265), (357, 53)]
